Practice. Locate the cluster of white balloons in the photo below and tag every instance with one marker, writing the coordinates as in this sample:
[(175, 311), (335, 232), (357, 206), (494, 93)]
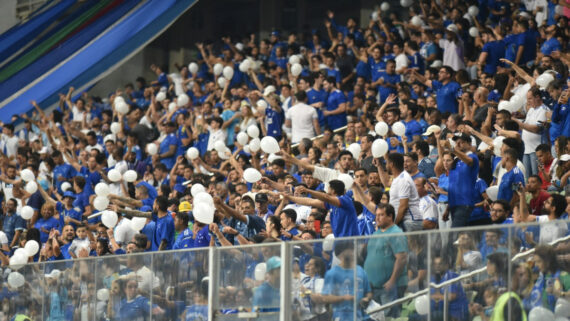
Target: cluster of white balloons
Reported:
[(513, 105), (202, 204), (120, 105), (21, 255)]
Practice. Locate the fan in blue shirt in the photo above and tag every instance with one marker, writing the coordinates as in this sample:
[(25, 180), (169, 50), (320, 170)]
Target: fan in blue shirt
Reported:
[(526, 43), (168, 147), (493, 50), (164, 233), (447, 90), (512, 178), (388, 81), (551, 44), (335, 113), (185, 238)]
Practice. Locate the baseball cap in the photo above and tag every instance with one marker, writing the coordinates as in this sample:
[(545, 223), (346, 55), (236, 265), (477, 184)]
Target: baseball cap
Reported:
[(261, 197), (68, 194), (268, 90), (565, 158), (273, 263), (453, 28), (184, 207), (431, 129), (463, 137)]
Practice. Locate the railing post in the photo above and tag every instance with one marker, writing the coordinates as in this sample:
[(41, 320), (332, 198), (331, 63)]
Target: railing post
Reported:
[(285, 286), (213, 281), (428, 281)]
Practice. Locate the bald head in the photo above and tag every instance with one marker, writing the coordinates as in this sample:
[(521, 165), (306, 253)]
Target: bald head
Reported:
[(481, 95)]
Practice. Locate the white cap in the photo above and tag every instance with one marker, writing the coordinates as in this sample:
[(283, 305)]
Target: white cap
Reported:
[(431, 129), (110, 137), (269, 90), (436, 64), (453, 28)]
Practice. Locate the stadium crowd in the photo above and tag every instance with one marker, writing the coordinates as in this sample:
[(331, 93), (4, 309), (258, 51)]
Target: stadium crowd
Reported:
[(457, 118)]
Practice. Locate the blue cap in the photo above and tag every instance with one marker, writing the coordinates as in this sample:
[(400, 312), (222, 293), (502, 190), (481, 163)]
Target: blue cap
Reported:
[(69, 194), (273, 263)]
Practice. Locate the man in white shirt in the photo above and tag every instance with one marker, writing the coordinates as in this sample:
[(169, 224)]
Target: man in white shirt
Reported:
[(428, 206), (302, 119), (403, 195), (401, 58), (552, 226), (216, 132), (452, 48), (9, 142)]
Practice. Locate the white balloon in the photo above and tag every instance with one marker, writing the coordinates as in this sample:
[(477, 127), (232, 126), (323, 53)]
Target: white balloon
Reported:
[(27, 212), (130, 175), (294, 59), (119, 99), (497, 144), (422, 304), (260, 270), (182, 100), (18, 261), (379, 148), (115, 128), (65, 186), (262, 104), (100, 203), (406, 3), (244, 65), (492, 192), (225, 154), (473, 11), (474, 32), (16, 280), (296, 69), (196, 189), (103, 295), (242, 138), (251, 175), (399, 128), (172, 106), (272, 157), (160, 96), (517, 102), (354, 149), (544, 80), (253, 131), (121, 107), (109, 219), (374, 16), (228, 72), (152, 149), (218, 69), (540, 314), (562, 308), (114, 175), (31, 187), (27, 175), (504, 104), (138, 223), (192, 153), (32, 247), (222, 82), (193, 67), (255, 145), (219, 146), (269, 145), (381, 128), (385, 6), (347, 180), (204, 213), (328, 243), (203, 197), (102, 189), (246, 149), (416, 21)]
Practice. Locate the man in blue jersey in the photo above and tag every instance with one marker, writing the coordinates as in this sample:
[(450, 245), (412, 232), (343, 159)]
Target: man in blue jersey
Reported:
[(343, 214), (492, 51), (168, 147), (447, 90), (164, 232), (512, 178), (185, 237), (525, 42), (335, 112), (462, 177)]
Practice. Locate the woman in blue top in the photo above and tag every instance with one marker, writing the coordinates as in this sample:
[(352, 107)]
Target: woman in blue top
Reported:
[(442, 168)]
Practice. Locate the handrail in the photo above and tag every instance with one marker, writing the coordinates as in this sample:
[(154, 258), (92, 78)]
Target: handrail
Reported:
[(459, 278)]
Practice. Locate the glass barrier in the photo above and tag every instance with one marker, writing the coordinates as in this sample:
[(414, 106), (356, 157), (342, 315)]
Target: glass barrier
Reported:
[(464, 274)]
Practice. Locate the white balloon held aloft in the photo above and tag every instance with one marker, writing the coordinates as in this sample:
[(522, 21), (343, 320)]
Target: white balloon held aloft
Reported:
[(269, 145), (544, 80), (328, 243), (354, 149), (109, 219), (251, 175), (262, 104), (540, 314), (225, 154), (203, 213), (347, 180), (218, 69), (100, 203), (172, 106), (504, 105), (492, 192), (255, 145), (272, 157), (152, 149), (27, 212), (294, 59), (138, 223), (31, 187), (246, 149), (244, 66), (517, 102), (192, 153), (130, 176), (222, 82), (103, 295), (115, 128), (406, 3), (497, 144), (253, 131), (197, 189), (473, 11), (296, 69), (242, 138), (562, 308), (193, 67), (219, 146), (114, 175), (203, 197), (381, 128), (385, 6), (379, 148), (32, 247), (422, 304), (27, 175), (16, 280), (228, 72), (119, 99), (160, 96), (102, 189), (399, 128), (65, 186), (374, 16), (416, 21), (17, 261), (122, 107), (474, 32), (260, 270), (182, 100)]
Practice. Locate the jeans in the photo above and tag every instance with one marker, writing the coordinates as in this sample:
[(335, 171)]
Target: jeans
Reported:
[(383, 296), (460, 215), (530, 164)]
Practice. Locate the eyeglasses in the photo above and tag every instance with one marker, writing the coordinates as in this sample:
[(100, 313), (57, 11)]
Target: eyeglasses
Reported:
[(131, 286)]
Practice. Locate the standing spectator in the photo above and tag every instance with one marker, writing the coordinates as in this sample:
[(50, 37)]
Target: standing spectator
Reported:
[(9, 142), (13, 224), (428, 207), (302, 119), (403, 195), (453, 294), (164, 232), (512, 178), (452, 46), (336, 103), (545, 165), (168, 147), (425, 164), (447, 90), (266, 296)]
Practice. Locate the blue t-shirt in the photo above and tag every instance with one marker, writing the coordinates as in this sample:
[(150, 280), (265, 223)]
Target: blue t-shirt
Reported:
[(273, 121), (381, 258), (134, 310), (334, 73), (184, 240), (266, 298), (196, 313), (170, 140), (528, 40), (230, 130), (385, 91), (550, 45), (495, 50), (334, 100), (510, 179), (74, 213), (340, 281), (343, 218), (13, 223), (376, 68), (48, 225), (413, 128), (458, 308), (316, 96), (64, 170), (202, 237), (91, 179), (463, 177), (164, 231), (443, 183), (446, 96), (479, 212)]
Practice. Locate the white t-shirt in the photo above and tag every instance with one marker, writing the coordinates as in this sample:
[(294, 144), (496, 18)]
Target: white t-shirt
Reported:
[(301, 116), (550, 230), (452, 54), (220, 135), (403, 187), (532, 140), (3, 238), (78, 114), (428, 208), (9, 145), (401, 61)]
